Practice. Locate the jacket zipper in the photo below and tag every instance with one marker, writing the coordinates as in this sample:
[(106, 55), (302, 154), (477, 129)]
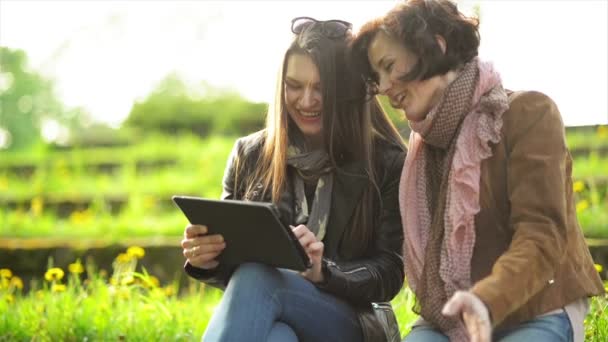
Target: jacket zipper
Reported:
[(362, 268), (333, 264)]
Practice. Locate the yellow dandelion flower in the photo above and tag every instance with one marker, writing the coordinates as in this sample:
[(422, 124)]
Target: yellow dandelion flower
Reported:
[(3, 183), (4, 283), (113, 281), (153, 281), (149, 202), (58, 288), (582, 206), (127, 280), (602, 131), (578, 186), (169, 290), (81, 217), (37, 205), (76, 268), (136, 252), (598, 268), (123, 258), (54, 273), (5, 273), (16, 282), (123, 293)]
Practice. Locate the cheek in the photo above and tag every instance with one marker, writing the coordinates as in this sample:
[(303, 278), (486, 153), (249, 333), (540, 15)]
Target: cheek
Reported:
[(289, 97)]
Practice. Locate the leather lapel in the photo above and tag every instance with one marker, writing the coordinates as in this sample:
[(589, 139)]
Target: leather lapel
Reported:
[(349, 183)]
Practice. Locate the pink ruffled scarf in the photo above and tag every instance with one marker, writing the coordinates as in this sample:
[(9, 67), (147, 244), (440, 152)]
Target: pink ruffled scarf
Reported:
[(480, 127)]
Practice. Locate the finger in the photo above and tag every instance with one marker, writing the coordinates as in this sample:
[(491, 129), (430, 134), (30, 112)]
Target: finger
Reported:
[(206, 240), (209, 248), (203, 249), (307, 239), (315, 248), (454, 306), (479, 329), (204, 261), (472, 327), (300, 230), (194, 230), (202, 240)]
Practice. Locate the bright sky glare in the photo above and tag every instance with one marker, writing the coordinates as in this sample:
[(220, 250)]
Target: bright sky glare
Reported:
[(103, 55)]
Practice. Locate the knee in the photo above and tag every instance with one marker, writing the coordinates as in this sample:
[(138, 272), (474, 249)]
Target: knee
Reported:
[(254, 275), (281, 332)]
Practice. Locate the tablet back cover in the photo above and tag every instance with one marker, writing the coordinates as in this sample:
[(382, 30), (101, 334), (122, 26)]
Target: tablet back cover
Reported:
[(252, 231)]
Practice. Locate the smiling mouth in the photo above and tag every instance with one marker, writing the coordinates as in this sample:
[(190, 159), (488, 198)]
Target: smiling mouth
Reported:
[(310, 115)]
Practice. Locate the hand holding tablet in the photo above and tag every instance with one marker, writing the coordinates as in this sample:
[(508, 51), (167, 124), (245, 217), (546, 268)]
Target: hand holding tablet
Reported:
[(244, 232)]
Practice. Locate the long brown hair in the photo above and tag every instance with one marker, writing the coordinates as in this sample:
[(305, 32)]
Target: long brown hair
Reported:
[(350, 125)]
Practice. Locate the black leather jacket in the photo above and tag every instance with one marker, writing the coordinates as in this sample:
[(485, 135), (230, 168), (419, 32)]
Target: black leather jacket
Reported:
[(376, 276)]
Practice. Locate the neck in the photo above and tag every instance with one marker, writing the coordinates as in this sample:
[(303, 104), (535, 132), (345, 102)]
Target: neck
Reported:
[(314, 142), (444, 81)]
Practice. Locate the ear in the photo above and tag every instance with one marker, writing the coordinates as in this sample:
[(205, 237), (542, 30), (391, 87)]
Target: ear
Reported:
[(441, 42)]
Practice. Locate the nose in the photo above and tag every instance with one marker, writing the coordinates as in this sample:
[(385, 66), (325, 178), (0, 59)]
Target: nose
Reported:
[(309, 98), (384, 84)]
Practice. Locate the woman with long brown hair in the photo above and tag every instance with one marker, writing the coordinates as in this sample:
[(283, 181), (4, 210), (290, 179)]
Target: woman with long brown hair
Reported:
[(330, 159)]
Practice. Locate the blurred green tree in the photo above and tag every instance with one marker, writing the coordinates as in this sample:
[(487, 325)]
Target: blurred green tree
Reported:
[(26, 100), (173, 107)]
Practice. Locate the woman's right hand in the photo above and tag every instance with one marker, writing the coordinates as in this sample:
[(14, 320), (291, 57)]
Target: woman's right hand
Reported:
[(201, 249)]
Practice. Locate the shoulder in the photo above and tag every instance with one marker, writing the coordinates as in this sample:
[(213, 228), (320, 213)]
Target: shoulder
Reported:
[(250, 144), (388, 152), (533, 118), (527, 108)]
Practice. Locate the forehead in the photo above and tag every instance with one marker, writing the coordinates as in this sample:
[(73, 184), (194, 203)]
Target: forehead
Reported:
[(300, 67), (384, 45)]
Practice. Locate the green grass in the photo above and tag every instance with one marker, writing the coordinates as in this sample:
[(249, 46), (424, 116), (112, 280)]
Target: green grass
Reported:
[(587, 138), (134, 306), (200, 165)]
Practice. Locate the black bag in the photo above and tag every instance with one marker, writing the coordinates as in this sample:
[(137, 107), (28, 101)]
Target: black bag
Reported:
[(386, 316)]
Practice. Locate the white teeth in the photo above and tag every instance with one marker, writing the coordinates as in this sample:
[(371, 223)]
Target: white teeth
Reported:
[(311, 114)]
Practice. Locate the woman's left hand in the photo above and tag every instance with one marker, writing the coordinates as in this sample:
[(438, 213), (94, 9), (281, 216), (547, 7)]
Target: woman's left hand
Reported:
[(474, 314), (314, 249)]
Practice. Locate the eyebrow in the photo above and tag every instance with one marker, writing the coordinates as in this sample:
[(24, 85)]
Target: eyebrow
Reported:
[(293, 80)]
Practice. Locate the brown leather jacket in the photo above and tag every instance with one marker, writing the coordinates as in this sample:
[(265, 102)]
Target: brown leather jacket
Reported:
[(376, 276), (530, 255)]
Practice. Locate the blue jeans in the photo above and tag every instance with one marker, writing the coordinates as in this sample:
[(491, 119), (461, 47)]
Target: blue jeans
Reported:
[(262, 303), (551, 328)]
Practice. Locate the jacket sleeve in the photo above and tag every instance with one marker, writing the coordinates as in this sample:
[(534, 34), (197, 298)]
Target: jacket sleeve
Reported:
[(536, 179), (378, 277), (218, 277)]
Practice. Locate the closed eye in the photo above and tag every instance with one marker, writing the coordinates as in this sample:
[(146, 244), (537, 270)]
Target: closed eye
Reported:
[(293, 86), (389, 66)]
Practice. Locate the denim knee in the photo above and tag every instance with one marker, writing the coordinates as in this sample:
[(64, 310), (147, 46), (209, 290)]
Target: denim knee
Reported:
[(254, 275)]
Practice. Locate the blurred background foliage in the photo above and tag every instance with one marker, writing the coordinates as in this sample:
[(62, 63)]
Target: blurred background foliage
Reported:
[(174, 108)]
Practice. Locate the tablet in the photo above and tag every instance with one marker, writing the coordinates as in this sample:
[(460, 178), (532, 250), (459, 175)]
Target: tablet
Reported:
[(252, 230)]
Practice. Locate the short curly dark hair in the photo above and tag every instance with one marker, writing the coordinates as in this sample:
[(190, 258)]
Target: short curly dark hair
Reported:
[(417, 23)]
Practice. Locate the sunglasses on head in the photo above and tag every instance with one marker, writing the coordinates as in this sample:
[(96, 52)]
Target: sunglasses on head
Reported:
[(329, 28)]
